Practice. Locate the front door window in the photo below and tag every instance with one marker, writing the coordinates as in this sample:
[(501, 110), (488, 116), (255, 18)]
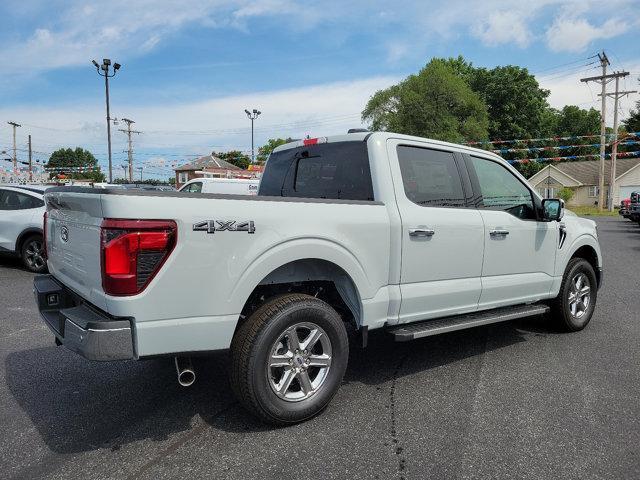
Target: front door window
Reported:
[(502, 190)]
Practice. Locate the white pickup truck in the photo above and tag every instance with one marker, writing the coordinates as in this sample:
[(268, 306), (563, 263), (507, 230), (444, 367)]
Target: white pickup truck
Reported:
[(347, 234)]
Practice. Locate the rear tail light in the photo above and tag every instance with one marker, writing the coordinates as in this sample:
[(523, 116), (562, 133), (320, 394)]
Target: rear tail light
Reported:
[(133, 251)]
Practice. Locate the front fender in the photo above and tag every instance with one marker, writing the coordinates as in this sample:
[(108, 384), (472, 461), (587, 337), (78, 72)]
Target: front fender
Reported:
[(577, 243)]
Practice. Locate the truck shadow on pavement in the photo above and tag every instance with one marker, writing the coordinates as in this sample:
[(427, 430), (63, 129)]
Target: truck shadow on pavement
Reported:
[(79, 406)]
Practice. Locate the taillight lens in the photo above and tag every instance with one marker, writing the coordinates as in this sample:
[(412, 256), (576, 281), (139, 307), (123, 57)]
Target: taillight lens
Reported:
[(133, 252)]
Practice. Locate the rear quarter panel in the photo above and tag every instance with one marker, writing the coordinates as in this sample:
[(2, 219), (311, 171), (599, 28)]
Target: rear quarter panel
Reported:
[(212, 274)]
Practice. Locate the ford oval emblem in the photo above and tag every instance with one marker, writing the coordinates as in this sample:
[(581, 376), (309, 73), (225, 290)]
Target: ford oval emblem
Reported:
[(64, 234)]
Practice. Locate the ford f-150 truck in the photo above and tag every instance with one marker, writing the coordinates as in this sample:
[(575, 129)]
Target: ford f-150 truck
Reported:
[(347, 234)]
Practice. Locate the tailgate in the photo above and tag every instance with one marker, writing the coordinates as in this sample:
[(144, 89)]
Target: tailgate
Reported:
[(73, 242)]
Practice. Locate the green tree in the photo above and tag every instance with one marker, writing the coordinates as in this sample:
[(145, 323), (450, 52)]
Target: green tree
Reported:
[(570, 121), (573, 120), (515, 102), (436, 102), (632, 124), (235, 157), (265, 150), (529, 169), (565, 194), (75, 163)]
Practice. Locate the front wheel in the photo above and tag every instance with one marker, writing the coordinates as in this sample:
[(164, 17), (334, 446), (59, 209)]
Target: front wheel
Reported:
[(573, 308), (32, 254), (288, 359)]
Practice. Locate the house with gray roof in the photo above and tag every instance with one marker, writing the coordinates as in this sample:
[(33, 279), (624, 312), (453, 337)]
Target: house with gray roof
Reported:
[(582, 178), (215, 166)]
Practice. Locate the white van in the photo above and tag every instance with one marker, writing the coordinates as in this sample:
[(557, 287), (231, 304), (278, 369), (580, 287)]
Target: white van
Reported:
[(231, 186)]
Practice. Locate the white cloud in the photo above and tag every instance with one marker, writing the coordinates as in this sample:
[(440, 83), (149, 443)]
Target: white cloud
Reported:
[(568, 90), (79, 32), (575, 34), (397, 50), (315, 110), (502, 28)]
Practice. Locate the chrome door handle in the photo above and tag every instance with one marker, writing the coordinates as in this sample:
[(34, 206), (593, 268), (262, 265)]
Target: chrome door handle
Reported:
[(421, 232), (499, 233)]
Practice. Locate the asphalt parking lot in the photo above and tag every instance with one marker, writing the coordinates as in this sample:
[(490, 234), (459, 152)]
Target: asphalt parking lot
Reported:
[(516, 400)]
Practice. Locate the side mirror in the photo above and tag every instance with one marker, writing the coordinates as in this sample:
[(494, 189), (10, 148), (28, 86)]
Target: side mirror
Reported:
[(553, 209)]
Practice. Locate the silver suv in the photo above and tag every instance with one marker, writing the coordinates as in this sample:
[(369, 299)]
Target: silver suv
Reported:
[(21, 217)]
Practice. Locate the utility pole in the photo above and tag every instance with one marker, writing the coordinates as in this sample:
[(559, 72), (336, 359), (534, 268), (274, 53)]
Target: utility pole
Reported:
[(603, 80), (30, 164), (140, 168), (15, 155), (614, 144), (252, 116), (128, 131), (105, 68)]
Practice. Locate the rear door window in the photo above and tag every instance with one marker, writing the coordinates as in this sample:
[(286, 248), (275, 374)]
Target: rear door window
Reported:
[(430, 177), (12, 200), (337, 170)]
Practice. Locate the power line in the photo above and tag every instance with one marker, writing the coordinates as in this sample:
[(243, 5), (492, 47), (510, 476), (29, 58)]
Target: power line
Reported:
[(564, 64)]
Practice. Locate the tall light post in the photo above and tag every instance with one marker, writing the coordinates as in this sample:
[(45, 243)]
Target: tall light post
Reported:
[(252, 116), (105, 69)]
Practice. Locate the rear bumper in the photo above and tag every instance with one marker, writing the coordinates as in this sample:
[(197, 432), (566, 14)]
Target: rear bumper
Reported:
[(79, 326)]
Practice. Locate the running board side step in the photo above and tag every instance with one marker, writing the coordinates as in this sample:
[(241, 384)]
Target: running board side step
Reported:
[(411, 331)]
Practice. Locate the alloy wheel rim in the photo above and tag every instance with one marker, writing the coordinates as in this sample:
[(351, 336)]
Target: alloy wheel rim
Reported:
[(579, 295), (299, 362), (34, 254)]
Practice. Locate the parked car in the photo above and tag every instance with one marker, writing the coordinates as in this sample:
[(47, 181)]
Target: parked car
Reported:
[(348, 233), (634, 207), (21, 212), (624, 207), (231, 186)]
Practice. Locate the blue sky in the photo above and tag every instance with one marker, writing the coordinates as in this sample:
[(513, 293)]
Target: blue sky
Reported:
[(191, 68)]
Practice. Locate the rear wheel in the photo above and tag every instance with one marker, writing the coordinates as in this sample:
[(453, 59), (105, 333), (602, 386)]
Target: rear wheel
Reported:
[(288, 359), (32, 254), (573, 308)]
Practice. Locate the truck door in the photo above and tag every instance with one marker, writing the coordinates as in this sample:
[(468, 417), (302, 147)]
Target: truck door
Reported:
[(520, 251), (442, 232)]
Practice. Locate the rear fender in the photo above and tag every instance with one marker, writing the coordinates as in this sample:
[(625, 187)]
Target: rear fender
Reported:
[(24, 235), (295, 250)]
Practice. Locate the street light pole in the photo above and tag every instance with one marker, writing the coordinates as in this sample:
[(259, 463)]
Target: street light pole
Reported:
[(105, 68), (252, 116)]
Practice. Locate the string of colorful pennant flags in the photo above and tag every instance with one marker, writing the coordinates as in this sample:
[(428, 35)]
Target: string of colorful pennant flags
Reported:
[(559, 147), (573, 157), (545, 139)]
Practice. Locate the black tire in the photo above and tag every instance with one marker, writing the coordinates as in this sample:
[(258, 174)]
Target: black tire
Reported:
[(32, 254), (561, 307), (252, 348)]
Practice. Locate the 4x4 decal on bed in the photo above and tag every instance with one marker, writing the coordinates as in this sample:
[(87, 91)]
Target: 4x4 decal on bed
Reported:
[(211, 226)]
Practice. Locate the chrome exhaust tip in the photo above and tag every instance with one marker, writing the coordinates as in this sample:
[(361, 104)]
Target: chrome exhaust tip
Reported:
[(186, 372)]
